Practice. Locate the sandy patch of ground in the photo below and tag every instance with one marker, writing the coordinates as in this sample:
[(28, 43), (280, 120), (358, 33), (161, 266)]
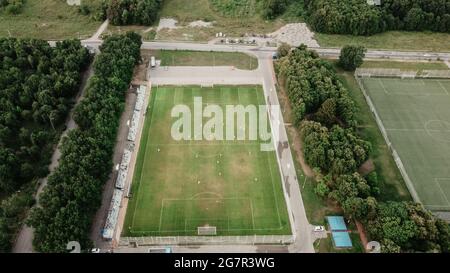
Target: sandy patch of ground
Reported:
[(295, 35), (292, 34), (167, 23), (367, 167), (200, 23)]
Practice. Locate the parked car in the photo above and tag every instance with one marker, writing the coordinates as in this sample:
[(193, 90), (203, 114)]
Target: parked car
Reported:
[(95, 250), (319, 229)]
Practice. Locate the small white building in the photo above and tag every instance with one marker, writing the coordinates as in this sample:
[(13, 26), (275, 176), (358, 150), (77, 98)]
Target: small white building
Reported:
[(374, 2), (74, 2)]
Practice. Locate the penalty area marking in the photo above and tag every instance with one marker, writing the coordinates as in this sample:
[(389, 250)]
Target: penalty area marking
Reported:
[(436, 180), (207, 219)]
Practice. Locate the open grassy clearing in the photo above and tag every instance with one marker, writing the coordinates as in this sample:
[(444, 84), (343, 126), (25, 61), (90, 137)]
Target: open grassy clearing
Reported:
[(204, 58), (47, 19), (419, 66), (231, 25), (179, 186), (225, 21), (395, 40), (416, 116)]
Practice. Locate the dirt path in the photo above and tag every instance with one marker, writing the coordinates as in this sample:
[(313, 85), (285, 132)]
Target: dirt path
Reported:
[(362, 233), (296, 141), (24, 241), (297, 146), (100, 30), (140, 77)]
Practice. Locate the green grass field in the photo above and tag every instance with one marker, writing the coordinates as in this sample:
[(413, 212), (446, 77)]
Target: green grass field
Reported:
[(49, 20), (416, 115), (179, 186), (204, 58)]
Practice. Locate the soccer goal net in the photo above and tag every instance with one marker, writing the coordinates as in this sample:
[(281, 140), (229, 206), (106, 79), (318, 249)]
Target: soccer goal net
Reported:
[(206, 231)]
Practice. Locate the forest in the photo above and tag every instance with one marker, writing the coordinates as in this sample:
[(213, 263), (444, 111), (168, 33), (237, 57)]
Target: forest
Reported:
[(356, 17), (74, 189), (11, 6), (324, 113), (37, 87), (133, 12)]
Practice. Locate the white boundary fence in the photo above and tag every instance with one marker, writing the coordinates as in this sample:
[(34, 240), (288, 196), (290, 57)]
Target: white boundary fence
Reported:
[(398, 73), (435, 74), (207, 240), (395, 155)]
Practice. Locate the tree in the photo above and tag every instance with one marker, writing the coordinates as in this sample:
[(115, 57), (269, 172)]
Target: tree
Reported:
[(351, 57), (273, 8), (74, 189), (327, 112), (355, 17), (283, 50), (409, 226), (135, 12)]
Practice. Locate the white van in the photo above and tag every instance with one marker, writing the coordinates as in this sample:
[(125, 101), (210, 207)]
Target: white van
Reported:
[(152, 62)]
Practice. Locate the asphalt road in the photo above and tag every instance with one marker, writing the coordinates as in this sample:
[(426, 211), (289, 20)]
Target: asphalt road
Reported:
[(324, 52)]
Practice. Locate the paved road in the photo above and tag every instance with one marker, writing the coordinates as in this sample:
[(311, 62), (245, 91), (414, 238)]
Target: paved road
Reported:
[(302, 229), (324, 52), (24, 241)]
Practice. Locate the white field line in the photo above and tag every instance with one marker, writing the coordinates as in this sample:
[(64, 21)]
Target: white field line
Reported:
[(441, 190), (443, 87), (273, 190), (384, 88)]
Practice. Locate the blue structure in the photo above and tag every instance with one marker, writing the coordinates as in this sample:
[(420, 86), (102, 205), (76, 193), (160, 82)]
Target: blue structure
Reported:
[(339, 232), (341, 239), (337, 223)]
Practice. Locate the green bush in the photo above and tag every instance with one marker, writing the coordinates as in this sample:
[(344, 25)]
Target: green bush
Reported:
[(351, 57)]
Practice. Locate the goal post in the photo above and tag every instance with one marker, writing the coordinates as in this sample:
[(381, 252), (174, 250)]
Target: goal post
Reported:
[(206, 231)]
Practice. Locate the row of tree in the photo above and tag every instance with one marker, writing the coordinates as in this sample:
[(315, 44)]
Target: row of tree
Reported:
[(356, 17), (37, 86), (133, 12), (74, 189), (332, 146)]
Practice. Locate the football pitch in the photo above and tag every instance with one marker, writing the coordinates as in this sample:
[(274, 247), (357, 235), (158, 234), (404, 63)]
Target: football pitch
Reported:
[(179, 186), (416, 116)]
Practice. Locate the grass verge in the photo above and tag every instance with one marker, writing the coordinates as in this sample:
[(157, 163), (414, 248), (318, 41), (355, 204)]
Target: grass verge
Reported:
[(48, 20), (395, 40)]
